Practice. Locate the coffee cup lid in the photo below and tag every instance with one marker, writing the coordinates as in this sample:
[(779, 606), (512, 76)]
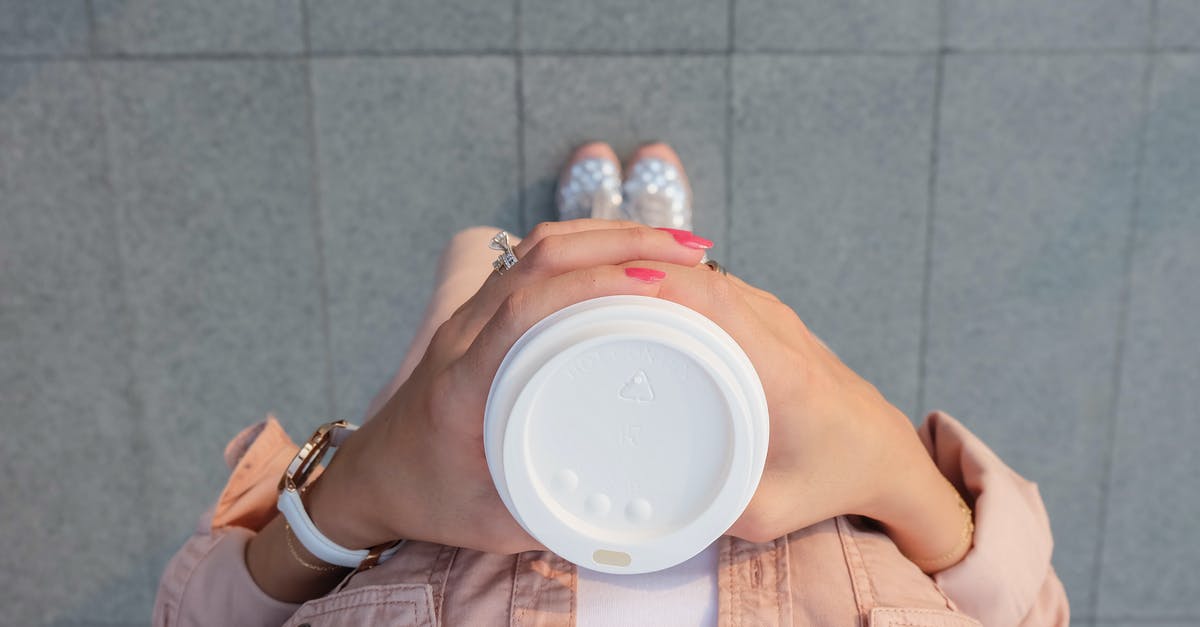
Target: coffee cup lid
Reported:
[(626, 433)]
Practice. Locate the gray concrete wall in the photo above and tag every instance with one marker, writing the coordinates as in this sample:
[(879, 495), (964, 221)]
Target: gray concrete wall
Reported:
[(215, 209)]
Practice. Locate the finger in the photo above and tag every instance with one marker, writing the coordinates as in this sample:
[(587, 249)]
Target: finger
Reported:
[(529, 304), (561, 253), (717, 296), (756, 323), (545, 229)]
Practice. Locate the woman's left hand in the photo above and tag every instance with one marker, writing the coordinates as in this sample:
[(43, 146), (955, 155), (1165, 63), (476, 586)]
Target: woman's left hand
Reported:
[(837, 446)]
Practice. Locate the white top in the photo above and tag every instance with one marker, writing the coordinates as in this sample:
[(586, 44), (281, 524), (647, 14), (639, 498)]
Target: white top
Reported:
[(685, 594)]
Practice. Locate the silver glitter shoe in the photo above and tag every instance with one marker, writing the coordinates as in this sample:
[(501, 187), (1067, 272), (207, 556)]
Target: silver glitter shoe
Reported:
[(591, 189), (656, 194)]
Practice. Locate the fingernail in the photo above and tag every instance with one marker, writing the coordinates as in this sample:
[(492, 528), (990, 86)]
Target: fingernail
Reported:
[(687, 238), (647, 275)]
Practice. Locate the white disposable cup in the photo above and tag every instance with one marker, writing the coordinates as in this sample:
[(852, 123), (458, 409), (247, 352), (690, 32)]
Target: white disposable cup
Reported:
[(626, 433)]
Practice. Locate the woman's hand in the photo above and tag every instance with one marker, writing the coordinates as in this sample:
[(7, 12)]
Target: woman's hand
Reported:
[(417, 469), (837, 446)]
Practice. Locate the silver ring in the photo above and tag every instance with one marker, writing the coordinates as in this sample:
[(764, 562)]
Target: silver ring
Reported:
[(507, 258), (716, 266)]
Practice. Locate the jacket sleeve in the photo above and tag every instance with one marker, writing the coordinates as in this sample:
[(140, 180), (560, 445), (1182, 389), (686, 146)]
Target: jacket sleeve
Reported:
[(1006, 579), (207, 581)]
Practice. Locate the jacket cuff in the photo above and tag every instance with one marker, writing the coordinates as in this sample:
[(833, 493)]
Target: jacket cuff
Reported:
[(258, 457), (1002, 575), (208, 583)]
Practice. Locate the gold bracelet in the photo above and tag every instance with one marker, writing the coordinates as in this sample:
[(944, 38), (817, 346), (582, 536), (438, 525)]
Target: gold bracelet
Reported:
[(935, 564), (321, 568)]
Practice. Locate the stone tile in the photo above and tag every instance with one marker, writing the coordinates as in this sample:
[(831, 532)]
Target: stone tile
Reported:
[(410, 25), (44, 27), (830, 179), (1058, 25), (211, 173), (1151, 547), (192, 26), (1035, 186), (411, 151), (679, 100), (625, 25), (69, 450), (836, 25), (1178, 24)]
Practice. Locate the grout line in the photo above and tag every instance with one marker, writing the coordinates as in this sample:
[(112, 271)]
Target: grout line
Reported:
[(519, 86), (256, 56), (505, 53), (644, 52), (831, 52), (930, 211), (729, 97), (1049, 51), (318, 221), (1106, 476)]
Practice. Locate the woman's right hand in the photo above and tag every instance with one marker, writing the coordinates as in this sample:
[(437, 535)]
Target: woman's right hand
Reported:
[(417, 469), (837, 446)]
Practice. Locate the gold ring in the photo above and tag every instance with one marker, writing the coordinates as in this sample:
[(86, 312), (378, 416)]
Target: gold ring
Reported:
[(716, 266)]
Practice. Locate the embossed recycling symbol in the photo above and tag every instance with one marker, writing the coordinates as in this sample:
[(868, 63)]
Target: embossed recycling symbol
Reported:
[(637, 388)]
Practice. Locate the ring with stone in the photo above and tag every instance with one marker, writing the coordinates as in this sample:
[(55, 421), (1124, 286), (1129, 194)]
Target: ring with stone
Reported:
[(507, 258)]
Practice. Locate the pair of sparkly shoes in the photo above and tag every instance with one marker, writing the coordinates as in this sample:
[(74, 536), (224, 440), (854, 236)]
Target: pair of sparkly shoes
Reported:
[(655, 190)]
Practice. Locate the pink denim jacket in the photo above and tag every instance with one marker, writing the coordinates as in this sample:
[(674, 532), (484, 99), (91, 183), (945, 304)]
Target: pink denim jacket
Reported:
[(841, 571)]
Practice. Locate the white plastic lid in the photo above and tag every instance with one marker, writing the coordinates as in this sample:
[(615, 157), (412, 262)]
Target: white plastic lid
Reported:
[(626, 433)]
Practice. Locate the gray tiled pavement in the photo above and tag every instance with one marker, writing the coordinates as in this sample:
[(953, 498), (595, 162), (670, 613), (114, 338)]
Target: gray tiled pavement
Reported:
[(190, 26), (45, 27), (1035, 183), (842, 212), (1177, 24), (410, 25), (1057, 25), (66, 377), (1159, 395), (990, 208), (210, 176), (624, 25), (858, 25), (374, 211)]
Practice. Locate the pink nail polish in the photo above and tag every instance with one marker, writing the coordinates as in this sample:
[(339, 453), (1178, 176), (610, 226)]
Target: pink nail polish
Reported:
[(647, 275), (687, 238)]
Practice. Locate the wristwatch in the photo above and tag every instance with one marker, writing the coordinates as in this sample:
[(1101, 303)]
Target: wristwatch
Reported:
[(292, 485)]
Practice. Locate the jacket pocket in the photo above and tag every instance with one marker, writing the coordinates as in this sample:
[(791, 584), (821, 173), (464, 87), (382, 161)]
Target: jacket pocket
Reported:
[(401, 605), (919, 617)]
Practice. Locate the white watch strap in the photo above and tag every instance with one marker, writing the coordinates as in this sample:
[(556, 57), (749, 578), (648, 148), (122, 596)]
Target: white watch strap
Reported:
[(306, 531)]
